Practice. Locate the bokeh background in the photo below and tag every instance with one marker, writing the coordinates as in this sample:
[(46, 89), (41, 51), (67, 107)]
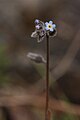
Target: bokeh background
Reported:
[(22, 82)]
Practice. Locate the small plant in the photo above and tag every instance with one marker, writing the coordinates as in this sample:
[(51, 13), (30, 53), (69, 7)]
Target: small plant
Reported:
[(44, 30)]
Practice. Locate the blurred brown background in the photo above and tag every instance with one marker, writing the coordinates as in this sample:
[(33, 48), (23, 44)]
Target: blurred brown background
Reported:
[(22, 82)]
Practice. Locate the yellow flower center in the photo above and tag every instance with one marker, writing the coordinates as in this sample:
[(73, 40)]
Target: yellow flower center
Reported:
[(49, 26)]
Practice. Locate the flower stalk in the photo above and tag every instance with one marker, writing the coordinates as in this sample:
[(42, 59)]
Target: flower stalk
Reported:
[(47, 77), (43, 30)]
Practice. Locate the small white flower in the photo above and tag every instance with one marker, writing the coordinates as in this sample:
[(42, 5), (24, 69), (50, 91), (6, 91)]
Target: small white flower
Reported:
[(49, 26)]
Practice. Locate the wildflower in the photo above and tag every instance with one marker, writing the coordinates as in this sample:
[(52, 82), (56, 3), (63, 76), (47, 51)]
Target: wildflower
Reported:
[(42, 29), (49, 26), (37, 27), (36, 21)]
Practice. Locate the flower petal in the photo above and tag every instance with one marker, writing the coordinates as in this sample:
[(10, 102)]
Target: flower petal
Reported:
[(46, 23), (47, 28), (54, 26), (50, 22), (37, 27), (36, 21), (51, 29)]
